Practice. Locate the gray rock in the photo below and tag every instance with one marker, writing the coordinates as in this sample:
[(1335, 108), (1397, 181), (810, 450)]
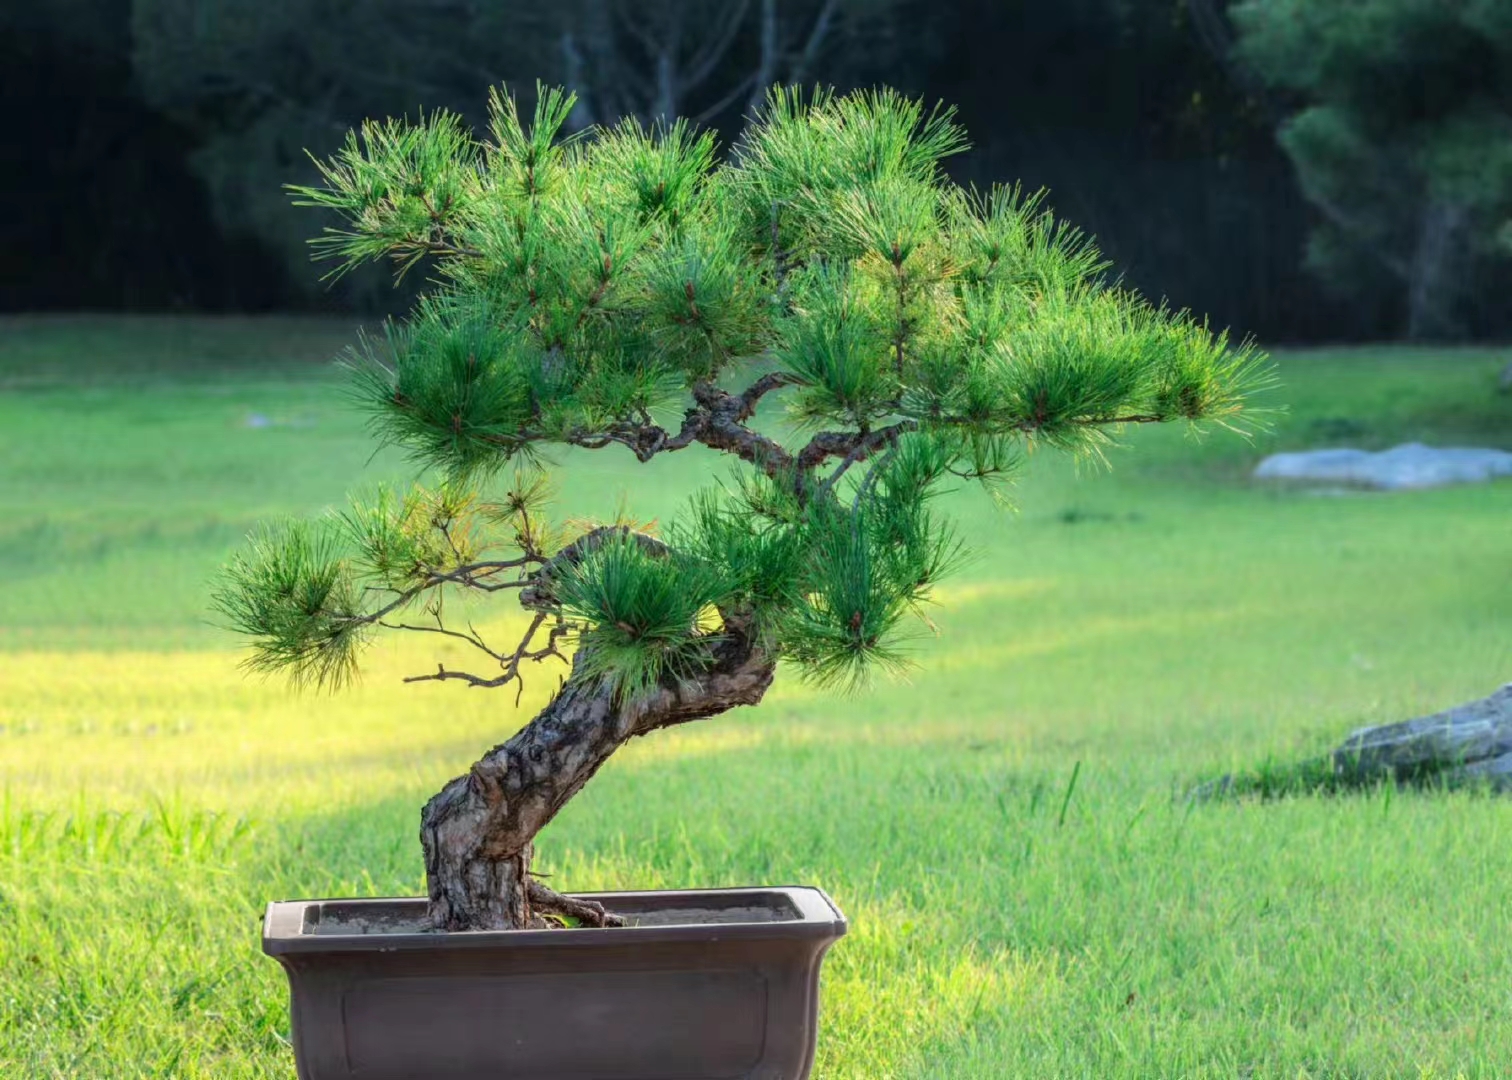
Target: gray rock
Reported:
[(1497, 771), (1411, 465), (1468, 741)]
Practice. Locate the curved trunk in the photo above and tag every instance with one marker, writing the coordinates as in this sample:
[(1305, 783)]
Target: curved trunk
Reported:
[(477, 831)]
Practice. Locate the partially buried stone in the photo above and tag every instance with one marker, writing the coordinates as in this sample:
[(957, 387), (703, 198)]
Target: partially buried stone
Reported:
[(1411, 465), (1470, 741)]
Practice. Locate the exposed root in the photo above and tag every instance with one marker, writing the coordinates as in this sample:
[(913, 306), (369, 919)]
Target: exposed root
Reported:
[(588, 912)]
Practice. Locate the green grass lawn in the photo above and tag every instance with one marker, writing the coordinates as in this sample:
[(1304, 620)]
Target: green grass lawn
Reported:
[(1144, 628)]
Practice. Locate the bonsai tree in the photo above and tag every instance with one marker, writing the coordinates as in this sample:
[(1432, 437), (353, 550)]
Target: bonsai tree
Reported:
[(623, 290)]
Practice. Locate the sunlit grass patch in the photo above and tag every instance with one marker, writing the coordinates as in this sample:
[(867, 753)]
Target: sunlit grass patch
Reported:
[(124, 727), (908, 979)]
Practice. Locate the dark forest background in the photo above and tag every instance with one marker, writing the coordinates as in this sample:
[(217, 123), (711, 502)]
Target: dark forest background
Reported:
[(1301, 170)]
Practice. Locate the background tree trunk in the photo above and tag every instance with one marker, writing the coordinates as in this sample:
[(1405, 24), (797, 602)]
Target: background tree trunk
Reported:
[(477, 832), (1431, 288)]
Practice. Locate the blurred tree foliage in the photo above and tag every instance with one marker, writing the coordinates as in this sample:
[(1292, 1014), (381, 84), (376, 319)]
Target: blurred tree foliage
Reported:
[(260, 82), (1122, 112), (156, 136), (263, 82), (1398, 118), (714, 62), (101, 207)]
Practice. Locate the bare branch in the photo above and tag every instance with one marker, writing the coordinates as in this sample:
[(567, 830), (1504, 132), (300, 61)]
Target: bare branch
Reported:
[(511, 663), (472, 638), (469, 574), (644, 440), (442, 674)]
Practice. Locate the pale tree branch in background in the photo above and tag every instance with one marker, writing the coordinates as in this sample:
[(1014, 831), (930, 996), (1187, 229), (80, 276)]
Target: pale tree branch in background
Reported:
[(814, 43), (703, 63), (766, 70), (657, 60), (1211, 25)]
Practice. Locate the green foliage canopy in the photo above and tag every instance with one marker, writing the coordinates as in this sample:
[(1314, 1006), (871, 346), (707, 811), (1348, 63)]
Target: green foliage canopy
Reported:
[(1401, 134), (588, 285)]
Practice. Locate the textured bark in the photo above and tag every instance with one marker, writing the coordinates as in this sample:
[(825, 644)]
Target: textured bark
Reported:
[(477, 831)]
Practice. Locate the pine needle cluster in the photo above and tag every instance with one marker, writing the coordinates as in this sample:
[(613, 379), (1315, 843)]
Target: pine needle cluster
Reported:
[(607, 289)]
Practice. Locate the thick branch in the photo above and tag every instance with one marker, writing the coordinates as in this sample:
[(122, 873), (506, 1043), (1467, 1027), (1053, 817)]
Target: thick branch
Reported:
[(718, 421), (753, 394), (853, 446), (720, 424), (715, 421)]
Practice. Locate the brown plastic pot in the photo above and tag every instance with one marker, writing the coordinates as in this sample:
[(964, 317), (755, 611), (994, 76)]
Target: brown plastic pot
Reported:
[(718, 984)]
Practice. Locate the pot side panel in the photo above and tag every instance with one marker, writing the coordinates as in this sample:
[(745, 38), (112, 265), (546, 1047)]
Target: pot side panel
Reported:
[(627, 1025)]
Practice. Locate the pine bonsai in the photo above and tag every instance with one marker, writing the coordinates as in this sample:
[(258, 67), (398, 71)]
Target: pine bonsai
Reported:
[(586, 288)]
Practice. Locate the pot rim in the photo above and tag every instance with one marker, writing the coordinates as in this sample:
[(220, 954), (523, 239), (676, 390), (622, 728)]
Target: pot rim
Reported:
[(283, 929)]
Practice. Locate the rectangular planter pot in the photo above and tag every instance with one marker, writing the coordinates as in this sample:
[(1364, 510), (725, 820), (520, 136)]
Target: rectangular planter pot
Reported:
[(732, 997)]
